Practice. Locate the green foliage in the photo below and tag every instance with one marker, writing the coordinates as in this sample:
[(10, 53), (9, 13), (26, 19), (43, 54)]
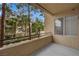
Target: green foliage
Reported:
[(37, 25), (11, 21), (21, 19), (8, 10)]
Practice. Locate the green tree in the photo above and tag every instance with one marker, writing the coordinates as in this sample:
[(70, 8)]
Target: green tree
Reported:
[(22, 13), (37, 26)]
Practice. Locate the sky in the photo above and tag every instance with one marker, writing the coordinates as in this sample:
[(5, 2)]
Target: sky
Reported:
[(34, 15)]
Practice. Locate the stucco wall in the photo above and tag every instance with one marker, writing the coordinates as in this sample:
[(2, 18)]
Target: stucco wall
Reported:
[(25, 47), (71, 41), (49, 23)]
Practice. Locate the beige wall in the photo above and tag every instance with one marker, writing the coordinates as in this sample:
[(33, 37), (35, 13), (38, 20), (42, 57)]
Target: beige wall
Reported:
[(25, 47), (49, 23), (71, 41)]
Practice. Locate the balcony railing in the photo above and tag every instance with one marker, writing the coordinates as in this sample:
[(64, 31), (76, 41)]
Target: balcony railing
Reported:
[(22, 38)]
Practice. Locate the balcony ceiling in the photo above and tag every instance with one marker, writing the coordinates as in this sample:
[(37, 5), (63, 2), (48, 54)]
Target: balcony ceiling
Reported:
[(55, 8)]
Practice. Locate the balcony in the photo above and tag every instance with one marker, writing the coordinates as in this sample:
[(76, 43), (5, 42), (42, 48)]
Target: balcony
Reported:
[(39, 29)]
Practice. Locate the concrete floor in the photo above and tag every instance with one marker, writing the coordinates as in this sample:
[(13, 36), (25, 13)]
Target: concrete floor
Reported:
[(56, 50)]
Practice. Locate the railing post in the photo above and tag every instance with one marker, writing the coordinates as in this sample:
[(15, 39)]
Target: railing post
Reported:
[(2, 25)]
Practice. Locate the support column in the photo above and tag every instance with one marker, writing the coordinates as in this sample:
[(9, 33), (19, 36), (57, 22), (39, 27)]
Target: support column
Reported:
[(29, 21), (2, 25)]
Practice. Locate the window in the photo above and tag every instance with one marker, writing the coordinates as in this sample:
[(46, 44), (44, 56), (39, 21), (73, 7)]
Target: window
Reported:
[(59, 26), (67, 25), (71, 25)]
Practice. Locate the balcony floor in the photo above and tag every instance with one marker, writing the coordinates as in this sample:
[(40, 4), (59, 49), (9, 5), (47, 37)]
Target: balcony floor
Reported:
[(56, 50)]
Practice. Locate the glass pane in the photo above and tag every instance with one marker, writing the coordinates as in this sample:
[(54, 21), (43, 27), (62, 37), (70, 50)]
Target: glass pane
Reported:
[(59, 26)]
